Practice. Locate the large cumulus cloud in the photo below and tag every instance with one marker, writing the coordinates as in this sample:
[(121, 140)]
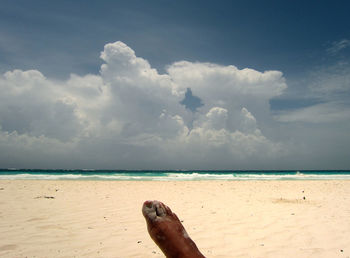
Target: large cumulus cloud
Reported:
[(130, 116)]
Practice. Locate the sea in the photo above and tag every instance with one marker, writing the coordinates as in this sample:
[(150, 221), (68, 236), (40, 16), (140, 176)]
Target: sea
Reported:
[(171, 175)]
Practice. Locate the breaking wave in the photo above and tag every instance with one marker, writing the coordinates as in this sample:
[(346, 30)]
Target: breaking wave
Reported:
[(88, 174)]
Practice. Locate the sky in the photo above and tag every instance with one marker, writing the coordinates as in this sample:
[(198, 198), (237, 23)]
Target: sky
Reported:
[(163, 84)]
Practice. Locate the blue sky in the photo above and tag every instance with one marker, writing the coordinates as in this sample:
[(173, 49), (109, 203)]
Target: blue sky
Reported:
[(307, 41), (291, 36)]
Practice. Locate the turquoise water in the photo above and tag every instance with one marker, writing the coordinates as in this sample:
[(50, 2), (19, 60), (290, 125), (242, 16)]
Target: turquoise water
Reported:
[(171, 175)]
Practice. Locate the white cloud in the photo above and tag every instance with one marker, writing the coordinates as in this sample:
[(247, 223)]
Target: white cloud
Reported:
[(224, 85), (130, 116), (31, 104), (337, 46), (320, 113), (216, 118), (330, 86), (331, 82)]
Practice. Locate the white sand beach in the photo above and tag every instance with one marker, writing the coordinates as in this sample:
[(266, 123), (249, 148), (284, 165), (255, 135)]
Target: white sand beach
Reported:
[(224, 218)]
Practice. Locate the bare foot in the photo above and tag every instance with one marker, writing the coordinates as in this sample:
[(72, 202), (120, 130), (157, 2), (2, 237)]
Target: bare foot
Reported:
[(167, 231)]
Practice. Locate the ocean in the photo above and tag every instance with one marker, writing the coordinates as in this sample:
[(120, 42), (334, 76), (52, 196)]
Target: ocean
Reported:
[(172, 175)]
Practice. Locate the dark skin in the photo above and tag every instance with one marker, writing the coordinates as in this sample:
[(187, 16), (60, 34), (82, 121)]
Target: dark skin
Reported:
[(167, 231)]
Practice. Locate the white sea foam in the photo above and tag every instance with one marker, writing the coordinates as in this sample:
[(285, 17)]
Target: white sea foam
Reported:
[(173, 176), (68, 177)]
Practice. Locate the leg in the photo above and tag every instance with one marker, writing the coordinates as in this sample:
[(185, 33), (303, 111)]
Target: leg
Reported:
[(167, 231)]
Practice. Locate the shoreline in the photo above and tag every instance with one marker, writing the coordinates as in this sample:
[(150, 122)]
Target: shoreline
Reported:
[(83, 218), (175, 176)]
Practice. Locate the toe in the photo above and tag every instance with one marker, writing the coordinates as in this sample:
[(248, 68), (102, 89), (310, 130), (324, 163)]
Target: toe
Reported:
[(149, 210), (155, 209), (168, 210), (160, 209)]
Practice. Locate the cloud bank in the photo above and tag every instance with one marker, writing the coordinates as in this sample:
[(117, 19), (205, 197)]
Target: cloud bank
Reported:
[(130, 117)]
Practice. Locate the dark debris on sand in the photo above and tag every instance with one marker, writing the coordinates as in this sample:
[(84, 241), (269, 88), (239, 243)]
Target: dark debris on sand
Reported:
[(46, 197)]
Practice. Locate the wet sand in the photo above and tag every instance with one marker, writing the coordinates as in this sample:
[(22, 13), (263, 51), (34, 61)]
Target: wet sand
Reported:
[(224, 218)]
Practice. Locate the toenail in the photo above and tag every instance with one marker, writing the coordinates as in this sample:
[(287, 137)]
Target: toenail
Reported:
[(148, 204)]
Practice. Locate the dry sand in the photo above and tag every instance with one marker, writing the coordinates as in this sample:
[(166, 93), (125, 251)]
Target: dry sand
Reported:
[(224, 218)]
